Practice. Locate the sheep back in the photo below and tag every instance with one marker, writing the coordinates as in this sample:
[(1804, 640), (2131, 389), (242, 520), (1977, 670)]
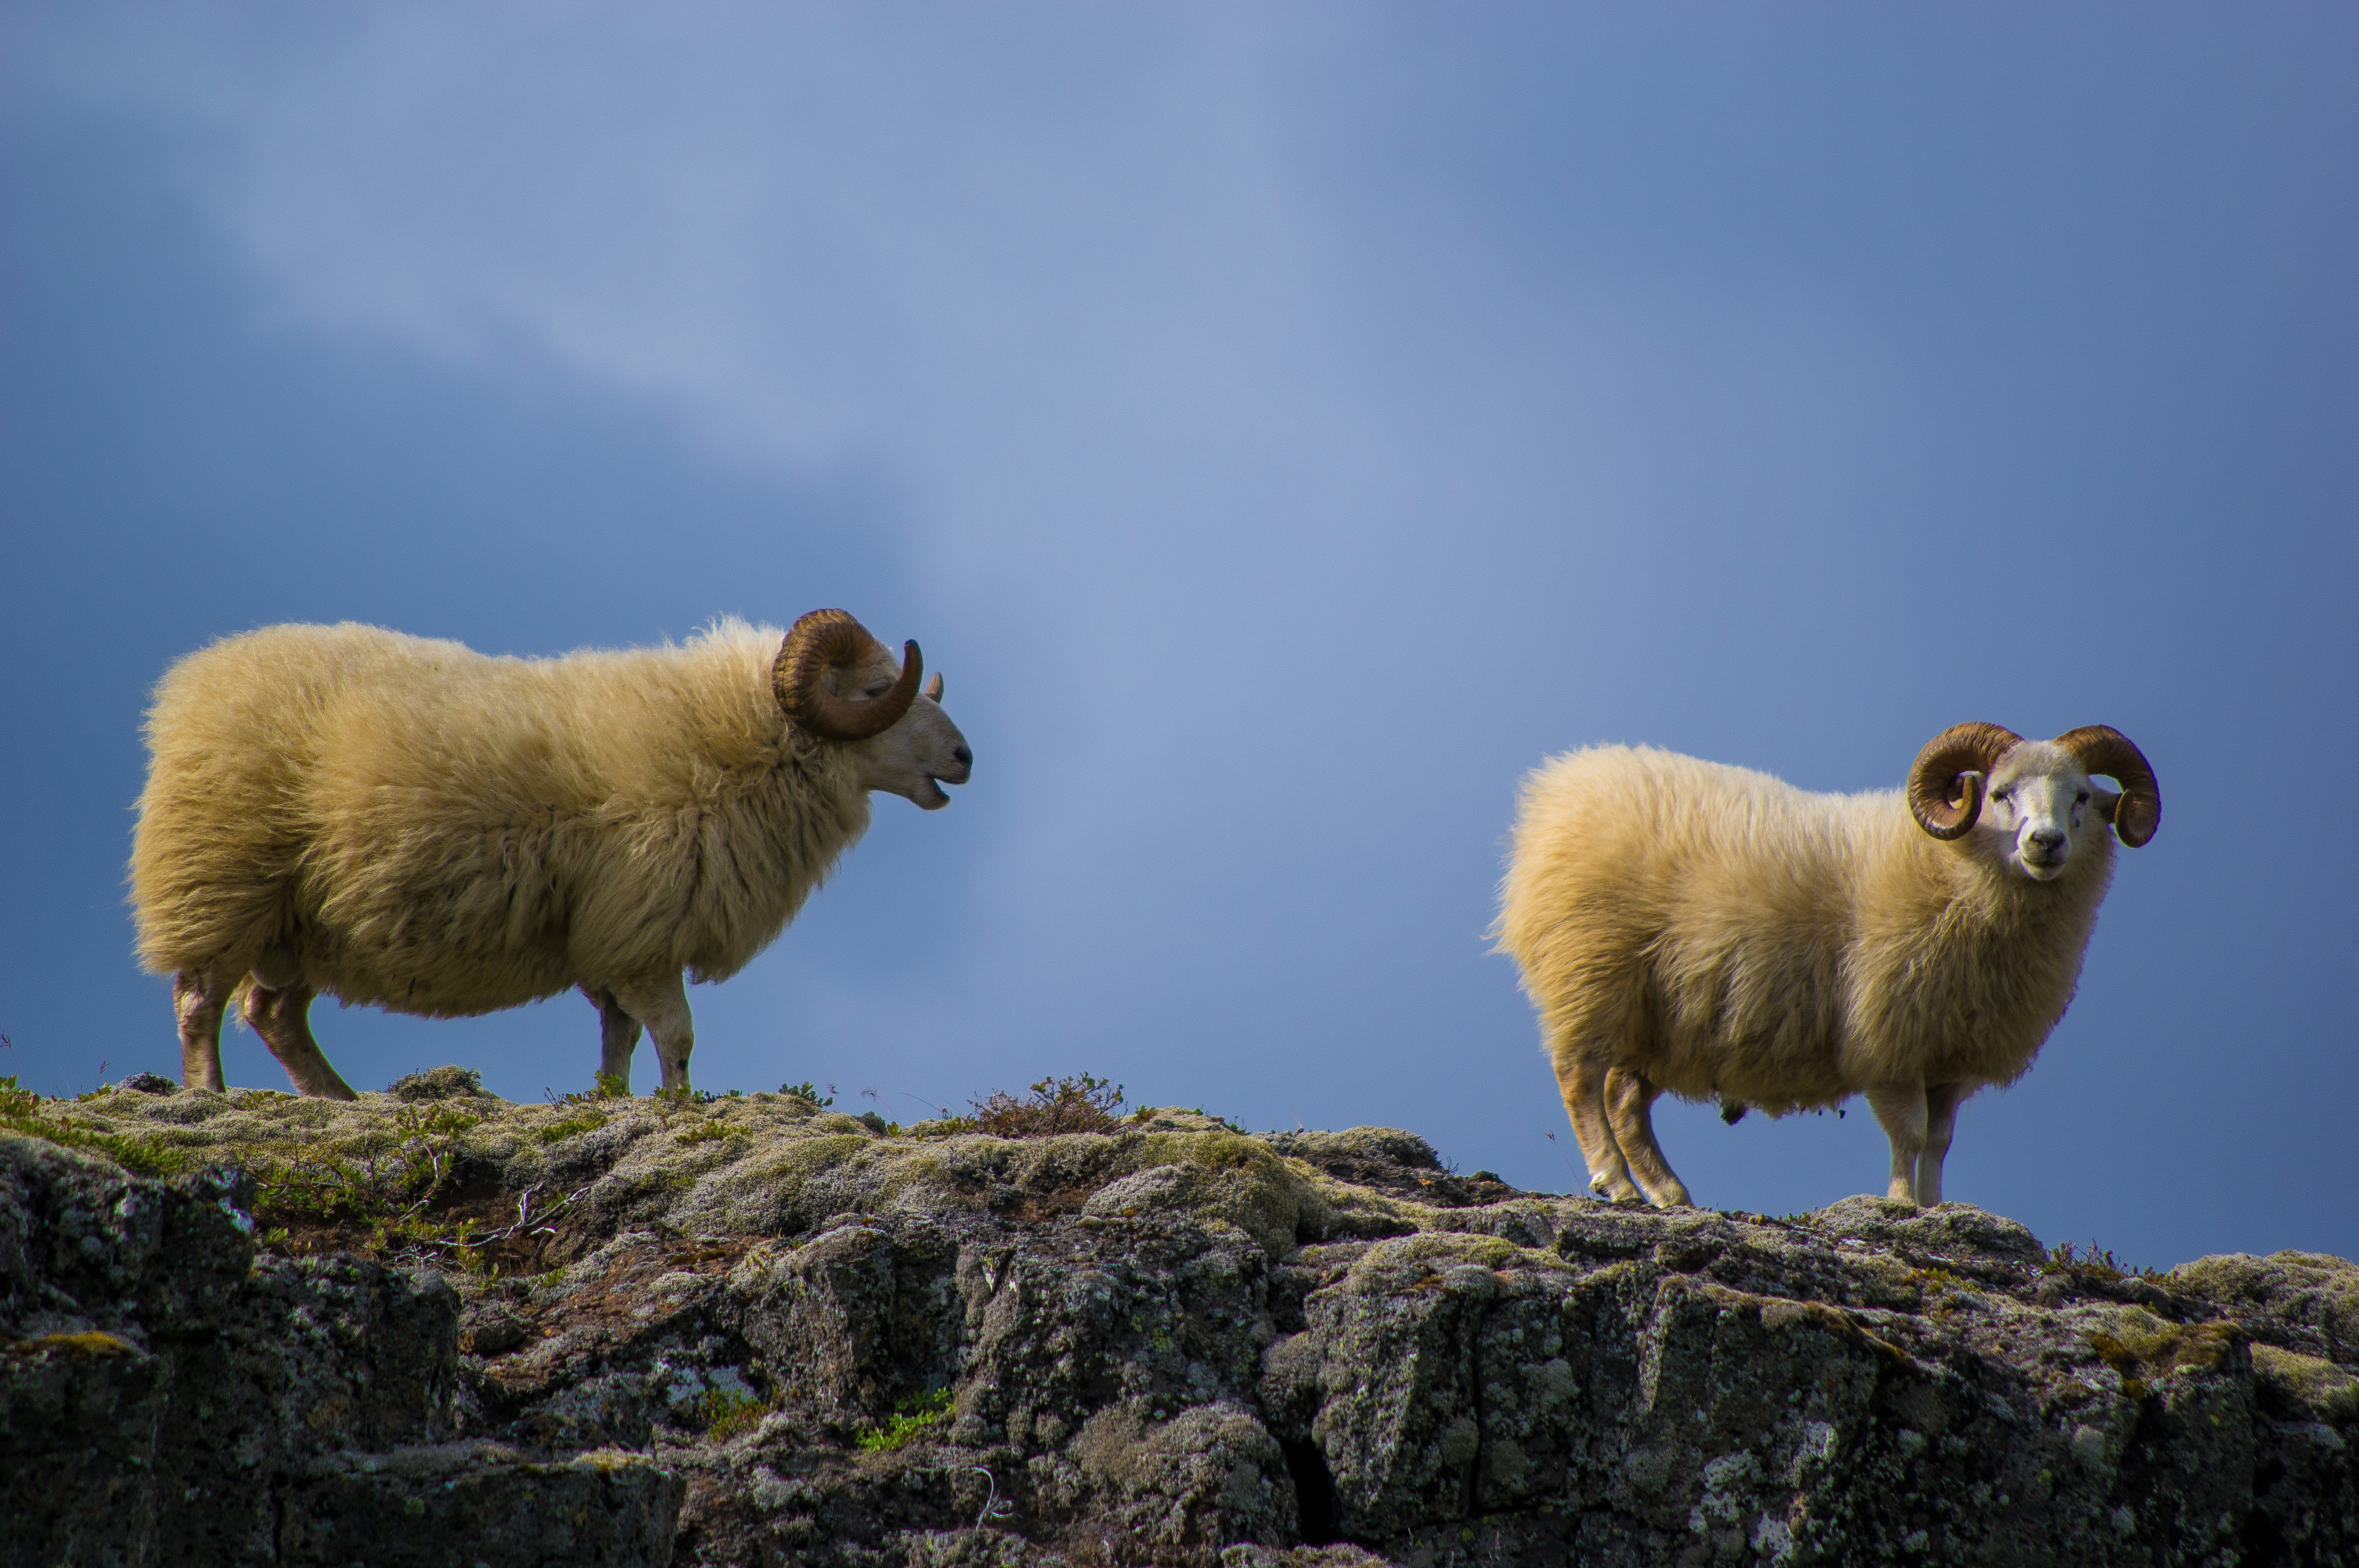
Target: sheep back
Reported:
[(1728, 935), (442, 832)]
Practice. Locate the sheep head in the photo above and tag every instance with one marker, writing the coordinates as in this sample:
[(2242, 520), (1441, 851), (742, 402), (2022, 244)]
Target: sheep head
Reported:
[(2040, 793), (836, 682)]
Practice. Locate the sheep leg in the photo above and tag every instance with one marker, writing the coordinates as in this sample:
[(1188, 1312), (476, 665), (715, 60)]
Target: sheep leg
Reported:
[(618, 1037), (278, 1014), (1903, 1113), (662, 1006), (198, 1001), (1582, 1084), (1630, 1110), (1941, 1102)]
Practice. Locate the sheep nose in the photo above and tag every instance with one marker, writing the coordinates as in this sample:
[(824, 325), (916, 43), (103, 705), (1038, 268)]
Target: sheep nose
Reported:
[(965, 758), (2046, 840)]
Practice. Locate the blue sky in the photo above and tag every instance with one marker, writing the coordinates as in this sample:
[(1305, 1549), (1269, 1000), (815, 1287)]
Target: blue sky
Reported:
[(1284, 427)]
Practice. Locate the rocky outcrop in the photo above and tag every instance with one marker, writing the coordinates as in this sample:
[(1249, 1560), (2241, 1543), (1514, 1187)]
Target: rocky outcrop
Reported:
[(435, 1327)]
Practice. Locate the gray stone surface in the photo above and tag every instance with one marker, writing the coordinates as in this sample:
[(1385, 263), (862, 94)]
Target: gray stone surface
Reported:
[(776, 1336)]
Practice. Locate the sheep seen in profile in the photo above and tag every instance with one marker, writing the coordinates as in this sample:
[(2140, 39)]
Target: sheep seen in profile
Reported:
[(404, 822), (1710, 931)]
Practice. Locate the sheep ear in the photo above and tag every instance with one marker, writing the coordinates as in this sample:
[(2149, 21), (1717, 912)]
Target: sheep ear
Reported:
[(934, 686), (2107, 801)]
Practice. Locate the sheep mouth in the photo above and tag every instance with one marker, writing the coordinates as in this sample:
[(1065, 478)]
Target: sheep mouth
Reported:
[(929, 795), (2040, 870)]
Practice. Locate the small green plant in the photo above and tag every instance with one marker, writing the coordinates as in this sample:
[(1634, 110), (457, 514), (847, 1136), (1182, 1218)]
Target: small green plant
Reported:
[(705, 1132), (725, 1413), (259, 1099), (440, 1122), (559, 1131), (909, 1420), (1144, 1114), (807, 1091)]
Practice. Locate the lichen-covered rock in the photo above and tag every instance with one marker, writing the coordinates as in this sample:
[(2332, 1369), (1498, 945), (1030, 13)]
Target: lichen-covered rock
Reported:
[(167, 1395), (479, 1503), (2303, 1300), (750, 1331)]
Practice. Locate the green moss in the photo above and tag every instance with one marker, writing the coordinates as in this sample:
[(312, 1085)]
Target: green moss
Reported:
[(2318, 1383), (21, 1111), (78, 1344), (2141, 1346)]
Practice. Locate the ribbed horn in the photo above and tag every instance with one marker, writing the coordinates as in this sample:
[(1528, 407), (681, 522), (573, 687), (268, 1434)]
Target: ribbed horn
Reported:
[(830, 639), (2101, 749), (1945, 787)]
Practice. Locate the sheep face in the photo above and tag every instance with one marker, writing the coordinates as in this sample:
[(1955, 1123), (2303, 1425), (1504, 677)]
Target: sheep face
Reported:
[(915, 757), (2045, 807), (838, 683), (922, 751)]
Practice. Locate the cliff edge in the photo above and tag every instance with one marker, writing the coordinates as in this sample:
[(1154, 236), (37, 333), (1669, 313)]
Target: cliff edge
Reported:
[(433, 1327)]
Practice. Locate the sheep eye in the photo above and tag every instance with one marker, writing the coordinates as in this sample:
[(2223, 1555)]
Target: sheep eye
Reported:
[(2080, 799), (879, 689)]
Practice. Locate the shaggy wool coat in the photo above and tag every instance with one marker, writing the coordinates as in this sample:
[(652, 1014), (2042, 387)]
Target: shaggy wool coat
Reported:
[(1727, 935), (442, 832)]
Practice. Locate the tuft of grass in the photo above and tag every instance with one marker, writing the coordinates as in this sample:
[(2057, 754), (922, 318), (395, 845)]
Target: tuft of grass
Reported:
[(706, 1132), (20, 1111), (807, 1091), (1082, 1104), (2091, 1265), (909, 1422), (606, 1086)]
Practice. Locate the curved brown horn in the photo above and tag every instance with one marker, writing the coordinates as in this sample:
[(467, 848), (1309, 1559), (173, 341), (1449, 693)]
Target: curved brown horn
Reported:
[(1945, 787), (2101, 749), (830, 639), (934, 686)]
